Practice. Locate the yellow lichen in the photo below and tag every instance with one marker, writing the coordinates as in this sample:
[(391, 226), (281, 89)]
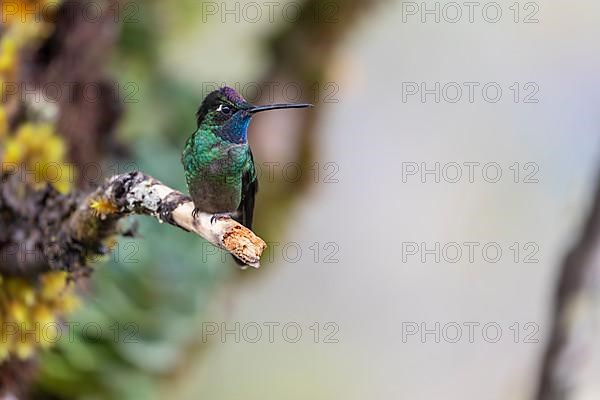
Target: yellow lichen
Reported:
[(102, 206), (23, 347), (53, 284), (40, 154), (4, 350), (8, 54), (30, 312), (3, 119), (17, 311)]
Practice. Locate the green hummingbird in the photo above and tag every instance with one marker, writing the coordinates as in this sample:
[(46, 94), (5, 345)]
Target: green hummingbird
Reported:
[(218, 163)]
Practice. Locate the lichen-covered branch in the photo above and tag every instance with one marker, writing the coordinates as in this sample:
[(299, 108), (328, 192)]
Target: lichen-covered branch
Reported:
[(137, 193), (44, 230)]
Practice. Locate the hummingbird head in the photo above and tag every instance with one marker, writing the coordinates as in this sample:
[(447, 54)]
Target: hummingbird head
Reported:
[(227, 114)]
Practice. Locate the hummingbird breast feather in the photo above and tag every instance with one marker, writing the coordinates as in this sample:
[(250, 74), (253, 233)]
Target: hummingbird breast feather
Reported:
[(214, 177)]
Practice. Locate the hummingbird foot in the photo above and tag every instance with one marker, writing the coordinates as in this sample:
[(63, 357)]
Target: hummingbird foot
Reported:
[(217, 216), (195, 213)]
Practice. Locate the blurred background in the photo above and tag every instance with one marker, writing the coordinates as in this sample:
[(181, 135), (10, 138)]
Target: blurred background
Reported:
[(418, 218)]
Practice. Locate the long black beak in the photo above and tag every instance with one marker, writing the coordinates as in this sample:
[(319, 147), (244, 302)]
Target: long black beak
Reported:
[(256, 109)]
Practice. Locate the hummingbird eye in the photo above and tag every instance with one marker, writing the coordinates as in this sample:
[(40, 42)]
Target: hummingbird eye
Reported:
[(225, 110)]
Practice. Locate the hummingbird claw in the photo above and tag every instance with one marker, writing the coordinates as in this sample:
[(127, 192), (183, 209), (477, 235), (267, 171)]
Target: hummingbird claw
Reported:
[(195, 213), (217, 216)]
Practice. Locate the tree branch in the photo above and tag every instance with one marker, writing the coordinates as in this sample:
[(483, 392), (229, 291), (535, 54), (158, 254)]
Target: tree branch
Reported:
[(137, 193), (558, 365)]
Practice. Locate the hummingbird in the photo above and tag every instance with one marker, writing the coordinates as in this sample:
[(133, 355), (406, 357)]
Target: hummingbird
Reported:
[(218, 163)]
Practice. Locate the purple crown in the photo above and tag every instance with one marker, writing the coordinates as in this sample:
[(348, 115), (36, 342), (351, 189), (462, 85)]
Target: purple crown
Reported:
[(232, 95)]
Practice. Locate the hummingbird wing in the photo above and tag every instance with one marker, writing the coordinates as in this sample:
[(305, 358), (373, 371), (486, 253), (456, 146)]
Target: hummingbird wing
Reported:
[(245, 210), (249, 189)]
